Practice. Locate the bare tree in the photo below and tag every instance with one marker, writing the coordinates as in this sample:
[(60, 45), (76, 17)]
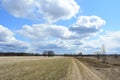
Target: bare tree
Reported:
[(97, 53), (44, 53), (80, 54), (115, 55), (103, 52), (48, 53)]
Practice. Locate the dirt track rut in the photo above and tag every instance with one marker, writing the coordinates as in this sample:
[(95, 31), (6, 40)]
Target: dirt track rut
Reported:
[(81, 72)]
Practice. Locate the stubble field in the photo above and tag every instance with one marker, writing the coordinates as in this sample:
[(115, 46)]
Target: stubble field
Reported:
[(55, 68), (33, 68)]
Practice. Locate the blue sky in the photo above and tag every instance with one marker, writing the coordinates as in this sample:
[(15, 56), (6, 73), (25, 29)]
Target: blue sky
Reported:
[(68, 26)]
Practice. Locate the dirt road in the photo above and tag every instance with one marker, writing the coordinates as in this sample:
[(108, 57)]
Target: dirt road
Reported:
[(82, 72)]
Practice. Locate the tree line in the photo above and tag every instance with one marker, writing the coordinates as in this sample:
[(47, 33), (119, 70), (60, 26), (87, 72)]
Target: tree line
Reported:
[(52, 53)]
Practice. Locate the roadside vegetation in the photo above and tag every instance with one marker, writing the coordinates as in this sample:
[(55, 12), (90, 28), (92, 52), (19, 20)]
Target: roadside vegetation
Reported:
[(109, 70)]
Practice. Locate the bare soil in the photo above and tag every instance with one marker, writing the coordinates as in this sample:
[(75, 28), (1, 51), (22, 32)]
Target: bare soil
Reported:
[(79, 71)]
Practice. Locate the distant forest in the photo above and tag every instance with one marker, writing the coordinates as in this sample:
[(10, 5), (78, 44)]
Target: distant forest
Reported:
[(51, 53)]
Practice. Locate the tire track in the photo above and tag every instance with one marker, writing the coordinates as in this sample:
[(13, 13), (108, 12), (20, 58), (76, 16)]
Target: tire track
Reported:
[(85, 72), (75, 72)]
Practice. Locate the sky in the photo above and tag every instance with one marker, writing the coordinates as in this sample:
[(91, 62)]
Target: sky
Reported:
[(64, 26)]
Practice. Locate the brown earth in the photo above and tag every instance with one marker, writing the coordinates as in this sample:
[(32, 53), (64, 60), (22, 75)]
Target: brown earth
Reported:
[(82, 72)]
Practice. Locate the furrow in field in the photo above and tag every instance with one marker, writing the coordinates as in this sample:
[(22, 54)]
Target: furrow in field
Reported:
[(76, 75)]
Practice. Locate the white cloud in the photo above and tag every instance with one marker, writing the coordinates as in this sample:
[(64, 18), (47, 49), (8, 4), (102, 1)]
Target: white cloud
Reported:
[(14, 46), (51, 36), (90, 21), (111, 41), (87, 25), (6, 34), (84, 27), (9, 43), (75, 38), (51, 10), (45, 31), (20, 8), (58, 9), (57, 45)]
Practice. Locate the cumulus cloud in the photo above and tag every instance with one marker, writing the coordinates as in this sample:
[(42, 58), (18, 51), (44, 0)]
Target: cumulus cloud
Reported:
[(52, 10), (21, 8), (70, 38), (14, 46), (52, 36), (59, 9), (87, 25), (45, 31), (9, 43), (84, 27), (6, 34)]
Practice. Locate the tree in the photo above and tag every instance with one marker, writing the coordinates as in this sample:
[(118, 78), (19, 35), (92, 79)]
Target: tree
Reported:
[(51, 53), (44, 53), (103, 52), (116, 55), (79, 54), (97, 53), (48, 53)]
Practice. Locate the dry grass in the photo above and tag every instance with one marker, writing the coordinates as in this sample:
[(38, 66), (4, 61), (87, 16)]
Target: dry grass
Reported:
[(110, 69), (12, 59), (36, 69), (58, 68)]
